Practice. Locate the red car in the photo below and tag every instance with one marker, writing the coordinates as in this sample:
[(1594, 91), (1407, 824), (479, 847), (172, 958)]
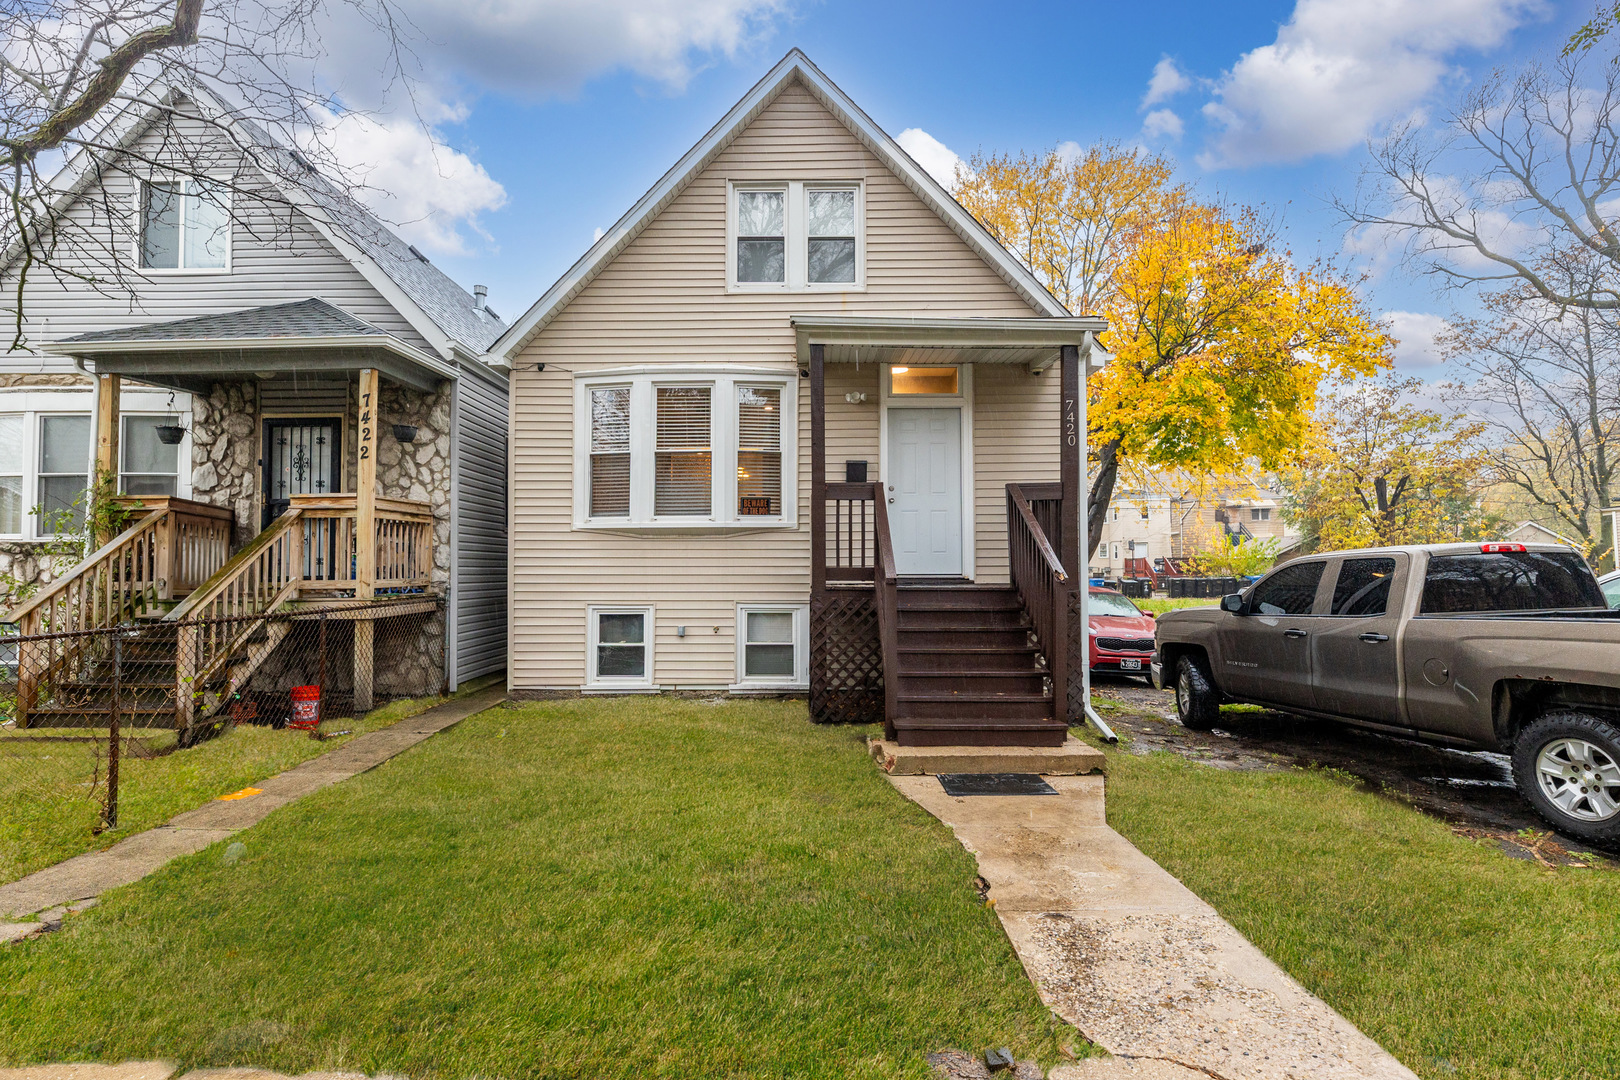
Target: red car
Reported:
[(1121, 634)]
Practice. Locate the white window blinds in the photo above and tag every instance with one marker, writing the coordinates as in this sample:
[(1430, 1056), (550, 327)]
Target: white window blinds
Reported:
[(759, 450), (610, 452), (683, 460)]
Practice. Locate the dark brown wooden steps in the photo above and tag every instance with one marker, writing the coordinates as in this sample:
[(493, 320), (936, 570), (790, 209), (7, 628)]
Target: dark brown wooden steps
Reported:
[(969, 673)]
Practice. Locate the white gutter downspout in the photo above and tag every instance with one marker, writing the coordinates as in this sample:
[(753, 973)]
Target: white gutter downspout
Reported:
[(1092, 349)]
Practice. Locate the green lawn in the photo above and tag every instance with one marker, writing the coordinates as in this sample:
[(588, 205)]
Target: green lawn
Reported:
[(600, 888), (1460, 961), (46, 815), (1162, 604)]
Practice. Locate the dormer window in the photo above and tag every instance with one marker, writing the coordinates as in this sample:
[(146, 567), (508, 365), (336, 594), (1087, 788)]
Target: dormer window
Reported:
[(795, 236), (185, 225)]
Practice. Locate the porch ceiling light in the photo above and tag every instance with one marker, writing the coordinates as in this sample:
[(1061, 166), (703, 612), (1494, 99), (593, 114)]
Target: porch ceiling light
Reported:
[(405, 433)]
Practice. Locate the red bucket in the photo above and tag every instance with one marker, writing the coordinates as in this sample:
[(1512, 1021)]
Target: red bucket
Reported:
[(306, 708)]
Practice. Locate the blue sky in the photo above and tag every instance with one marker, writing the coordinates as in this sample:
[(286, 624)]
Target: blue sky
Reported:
[(555, 116)]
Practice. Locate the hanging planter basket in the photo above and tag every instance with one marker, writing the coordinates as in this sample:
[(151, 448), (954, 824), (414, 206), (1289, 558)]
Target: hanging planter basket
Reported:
[(170, 434), (405, 433)]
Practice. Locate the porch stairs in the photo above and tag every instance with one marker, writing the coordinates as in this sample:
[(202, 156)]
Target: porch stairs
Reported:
[(970, 670)]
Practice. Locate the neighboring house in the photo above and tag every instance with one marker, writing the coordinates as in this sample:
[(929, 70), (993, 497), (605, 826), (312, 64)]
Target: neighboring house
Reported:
[(281, 361), (1530, 532), (1144, 528), (796, 337)]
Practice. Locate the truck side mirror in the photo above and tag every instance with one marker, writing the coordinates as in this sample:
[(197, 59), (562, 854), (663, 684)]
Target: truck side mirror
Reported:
[(1232, 602)]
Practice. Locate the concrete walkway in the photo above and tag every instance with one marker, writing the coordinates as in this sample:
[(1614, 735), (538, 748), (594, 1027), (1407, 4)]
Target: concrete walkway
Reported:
[(1130, 956), (70, 884)]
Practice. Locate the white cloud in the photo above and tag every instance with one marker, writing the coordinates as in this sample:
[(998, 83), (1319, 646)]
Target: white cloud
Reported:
[(1165, 83), (1415, 332), (1340, 68), (537, 48), (1161, 124), (427, 191), (937, 159)]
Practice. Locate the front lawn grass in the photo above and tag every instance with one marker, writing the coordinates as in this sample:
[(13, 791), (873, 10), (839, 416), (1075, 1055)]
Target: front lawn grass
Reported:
[(601, 888), (1161, 604), (48, 812), (1461, 962)]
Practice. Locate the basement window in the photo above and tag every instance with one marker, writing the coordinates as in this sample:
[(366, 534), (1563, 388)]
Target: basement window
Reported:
[(620, 648), (771, 651)]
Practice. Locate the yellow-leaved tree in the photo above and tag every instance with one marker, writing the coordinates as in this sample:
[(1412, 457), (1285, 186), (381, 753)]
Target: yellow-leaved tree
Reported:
[(1220, 340), (1380, 468)]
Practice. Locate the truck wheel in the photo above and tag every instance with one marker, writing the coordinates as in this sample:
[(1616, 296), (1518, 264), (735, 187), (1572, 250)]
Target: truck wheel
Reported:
[(1567, 765), (1198, 705)]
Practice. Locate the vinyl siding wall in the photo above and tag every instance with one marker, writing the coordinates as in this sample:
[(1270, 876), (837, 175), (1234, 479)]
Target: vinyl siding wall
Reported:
[(479, 479), (664, 299), (277, 256)]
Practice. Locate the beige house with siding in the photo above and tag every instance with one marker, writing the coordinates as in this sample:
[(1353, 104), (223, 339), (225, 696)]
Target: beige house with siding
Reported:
[(763, 432)]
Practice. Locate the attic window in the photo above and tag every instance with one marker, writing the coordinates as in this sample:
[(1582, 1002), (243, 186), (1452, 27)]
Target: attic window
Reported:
[(796, 236), (185, 225)]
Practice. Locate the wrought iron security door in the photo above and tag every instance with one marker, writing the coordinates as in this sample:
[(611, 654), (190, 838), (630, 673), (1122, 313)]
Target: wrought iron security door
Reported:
[(301, 457)]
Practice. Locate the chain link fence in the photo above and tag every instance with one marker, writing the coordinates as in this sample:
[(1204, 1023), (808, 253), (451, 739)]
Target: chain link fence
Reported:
[(80, 711)]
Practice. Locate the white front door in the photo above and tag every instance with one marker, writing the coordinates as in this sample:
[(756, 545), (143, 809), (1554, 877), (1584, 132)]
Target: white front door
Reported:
[(924, 487)]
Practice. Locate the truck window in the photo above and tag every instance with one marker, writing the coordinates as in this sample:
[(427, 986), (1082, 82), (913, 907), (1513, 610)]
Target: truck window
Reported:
[(1363, 587), (1289, 591), (1509, 581)]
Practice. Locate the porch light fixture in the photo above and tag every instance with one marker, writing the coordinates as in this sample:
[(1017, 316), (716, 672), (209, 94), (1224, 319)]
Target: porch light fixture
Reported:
[(405, 433)]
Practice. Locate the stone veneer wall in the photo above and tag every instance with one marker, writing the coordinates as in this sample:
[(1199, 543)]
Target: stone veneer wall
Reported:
[(224, 453)]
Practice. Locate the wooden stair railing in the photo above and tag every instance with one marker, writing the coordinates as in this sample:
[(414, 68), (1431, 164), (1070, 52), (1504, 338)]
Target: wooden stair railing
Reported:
[(1044, 588), (218, 621), (886, 599)]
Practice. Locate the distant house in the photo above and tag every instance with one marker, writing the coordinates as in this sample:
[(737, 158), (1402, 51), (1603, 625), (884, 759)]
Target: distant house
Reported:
[(283, 364), (797, 423), (1145, 527), (1531, 532)]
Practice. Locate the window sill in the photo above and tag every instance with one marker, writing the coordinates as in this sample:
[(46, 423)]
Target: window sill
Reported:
[(653, 527), (771, 288), (744, 689), (604, 688), (183, 271)]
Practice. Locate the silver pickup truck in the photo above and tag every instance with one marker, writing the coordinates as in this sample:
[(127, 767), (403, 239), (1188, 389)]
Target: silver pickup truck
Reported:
[(1505, 647)]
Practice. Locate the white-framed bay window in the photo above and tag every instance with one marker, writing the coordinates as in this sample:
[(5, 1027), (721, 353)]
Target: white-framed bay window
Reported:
[(619, 647), (795, 236), (47, 447), (686, 447), (773, 647)]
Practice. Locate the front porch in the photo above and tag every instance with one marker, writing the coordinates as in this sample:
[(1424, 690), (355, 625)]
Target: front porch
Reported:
[(327, 505), (929, 609)]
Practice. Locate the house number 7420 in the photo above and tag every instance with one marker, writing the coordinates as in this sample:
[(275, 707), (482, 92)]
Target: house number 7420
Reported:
[(1071, 423)]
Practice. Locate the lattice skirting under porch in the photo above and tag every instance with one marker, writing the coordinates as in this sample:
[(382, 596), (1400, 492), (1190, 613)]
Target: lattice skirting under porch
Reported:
[(846, 659), (1078, 658)]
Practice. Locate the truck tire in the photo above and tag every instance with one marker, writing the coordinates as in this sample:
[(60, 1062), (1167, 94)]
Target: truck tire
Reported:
[(1567, 766), (1198, 703)]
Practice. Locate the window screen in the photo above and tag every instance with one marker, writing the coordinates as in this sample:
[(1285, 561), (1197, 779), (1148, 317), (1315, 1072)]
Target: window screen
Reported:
[(610, 452), (184, 226), (621, 645), (769, 649), (160, 226), (12, 469), (1289, 591), (1363, 587), (831, 235), (761, 232), (1509, 581), (64, 469), (683, 460), (759, 450), (149, 466)]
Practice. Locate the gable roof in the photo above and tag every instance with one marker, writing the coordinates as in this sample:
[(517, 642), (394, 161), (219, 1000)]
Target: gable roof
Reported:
[(794, 67), (436, 307)]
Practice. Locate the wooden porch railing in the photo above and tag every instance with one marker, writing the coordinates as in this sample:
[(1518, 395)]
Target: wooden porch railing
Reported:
[(850, 522), (886, 587), (404, 543), (173, 545), (1043, 585)]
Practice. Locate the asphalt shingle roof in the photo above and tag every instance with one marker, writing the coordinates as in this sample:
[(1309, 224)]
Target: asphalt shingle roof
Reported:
[(302, 319)]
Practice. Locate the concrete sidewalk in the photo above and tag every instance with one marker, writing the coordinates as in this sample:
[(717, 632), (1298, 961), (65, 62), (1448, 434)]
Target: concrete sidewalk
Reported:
[(73, 882), (1131, 957)]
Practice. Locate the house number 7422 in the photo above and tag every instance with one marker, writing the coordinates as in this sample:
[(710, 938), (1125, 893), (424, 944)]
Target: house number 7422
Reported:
[(365, 426)]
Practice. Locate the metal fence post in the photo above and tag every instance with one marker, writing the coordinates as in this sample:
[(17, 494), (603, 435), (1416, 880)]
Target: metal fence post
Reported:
[(109, 817)]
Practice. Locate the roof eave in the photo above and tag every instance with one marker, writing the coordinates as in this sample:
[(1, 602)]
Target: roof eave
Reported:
[(89, 350)]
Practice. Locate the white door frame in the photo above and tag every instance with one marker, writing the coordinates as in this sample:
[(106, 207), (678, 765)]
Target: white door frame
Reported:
[(963, 401)]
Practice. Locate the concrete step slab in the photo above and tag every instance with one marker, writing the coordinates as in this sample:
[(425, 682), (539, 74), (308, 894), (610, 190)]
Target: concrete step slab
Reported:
[(1072, 758)]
